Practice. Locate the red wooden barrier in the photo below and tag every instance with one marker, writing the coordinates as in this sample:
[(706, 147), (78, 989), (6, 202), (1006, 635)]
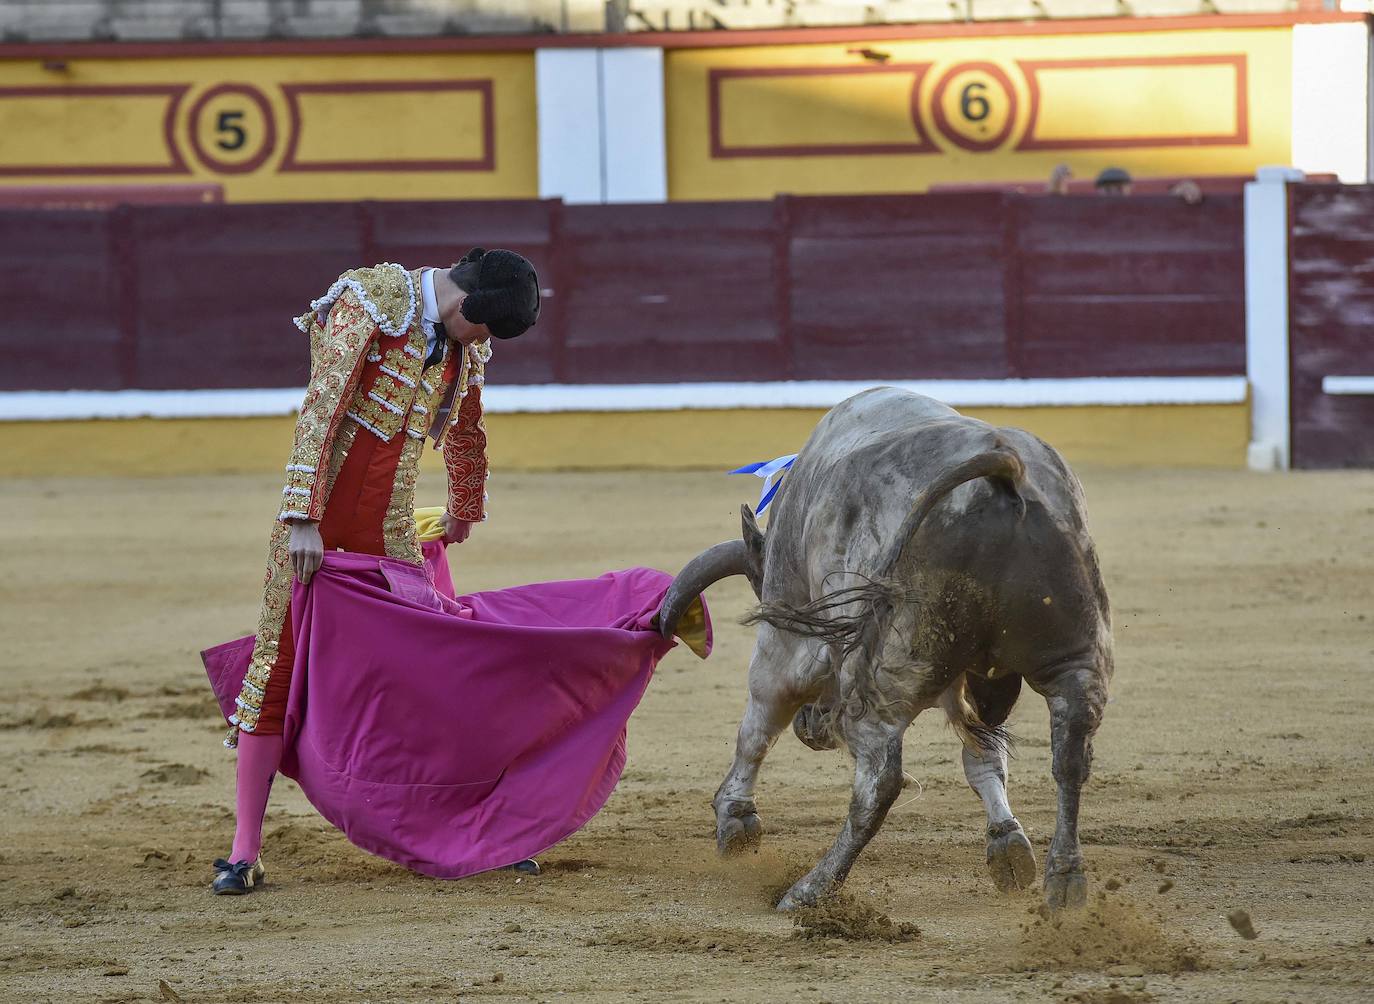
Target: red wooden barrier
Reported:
[(61, 291), (886, 287), (1331, 322), (1135, 286), (963, 285), (215, 289), (669, 292)]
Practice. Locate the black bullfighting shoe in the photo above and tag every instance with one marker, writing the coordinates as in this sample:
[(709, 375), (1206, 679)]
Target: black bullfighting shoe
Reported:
[(527, 867), (237, 878)]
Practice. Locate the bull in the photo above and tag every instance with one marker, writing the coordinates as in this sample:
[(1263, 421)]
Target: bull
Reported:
[(917, 558)]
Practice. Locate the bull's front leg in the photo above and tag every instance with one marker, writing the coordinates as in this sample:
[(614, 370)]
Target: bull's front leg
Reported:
[(774, 697), (877, 752), (737, 816), (1076, 699)]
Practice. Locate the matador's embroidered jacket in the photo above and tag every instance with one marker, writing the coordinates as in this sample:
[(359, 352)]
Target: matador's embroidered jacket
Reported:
[(368, 378)]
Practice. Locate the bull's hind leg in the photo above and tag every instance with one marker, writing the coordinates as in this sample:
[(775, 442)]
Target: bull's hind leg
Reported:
[(1011, 860), (877, 749), (777, 687), (1010, 857), (1076, 697)]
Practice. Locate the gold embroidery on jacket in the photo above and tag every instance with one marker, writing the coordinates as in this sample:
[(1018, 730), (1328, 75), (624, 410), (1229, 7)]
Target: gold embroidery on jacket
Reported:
[(337, 352), (398, 525), (276, 597), (343, 442), (471, 373), (428, 398), (382, 405)]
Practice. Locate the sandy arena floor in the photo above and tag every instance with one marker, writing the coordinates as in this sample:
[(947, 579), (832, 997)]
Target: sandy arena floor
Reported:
[(1235, 770)]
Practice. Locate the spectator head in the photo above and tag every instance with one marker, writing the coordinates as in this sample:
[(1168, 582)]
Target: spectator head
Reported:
[(1189, 191), (1059, 180), (1113, 181)]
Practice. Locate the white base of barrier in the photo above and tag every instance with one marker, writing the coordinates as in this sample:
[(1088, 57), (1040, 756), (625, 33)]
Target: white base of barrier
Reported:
[(49, 406), (1348, 385), (498, 399)]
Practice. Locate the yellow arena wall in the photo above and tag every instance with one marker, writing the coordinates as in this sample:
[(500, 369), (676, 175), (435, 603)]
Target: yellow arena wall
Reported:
[(905, 114), (814, 111), (1212, 435), (277, 127)]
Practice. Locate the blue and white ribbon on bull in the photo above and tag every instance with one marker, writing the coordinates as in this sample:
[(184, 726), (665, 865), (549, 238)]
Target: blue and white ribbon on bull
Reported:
[(771, 472)]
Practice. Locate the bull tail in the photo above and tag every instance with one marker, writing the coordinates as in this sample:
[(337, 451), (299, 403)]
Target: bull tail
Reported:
[(968, 724), (1001, 464)]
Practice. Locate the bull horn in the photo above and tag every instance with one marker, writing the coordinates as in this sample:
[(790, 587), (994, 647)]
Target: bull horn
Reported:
[(708, 567)]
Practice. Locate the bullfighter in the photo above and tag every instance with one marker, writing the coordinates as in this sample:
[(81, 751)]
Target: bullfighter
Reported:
[(388, 346)]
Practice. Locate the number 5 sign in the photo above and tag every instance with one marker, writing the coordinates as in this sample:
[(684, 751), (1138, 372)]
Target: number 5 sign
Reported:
[(233, 130), (974, 106)]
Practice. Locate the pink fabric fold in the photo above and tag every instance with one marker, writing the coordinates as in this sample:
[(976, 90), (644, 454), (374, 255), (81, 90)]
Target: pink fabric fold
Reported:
[(456, 735)]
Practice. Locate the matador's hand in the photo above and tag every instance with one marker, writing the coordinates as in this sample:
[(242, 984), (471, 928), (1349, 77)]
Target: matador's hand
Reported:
[(306, 549), (455, 530)]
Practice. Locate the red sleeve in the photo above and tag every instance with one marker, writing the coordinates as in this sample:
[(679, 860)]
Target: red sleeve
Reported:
[(465, 457)]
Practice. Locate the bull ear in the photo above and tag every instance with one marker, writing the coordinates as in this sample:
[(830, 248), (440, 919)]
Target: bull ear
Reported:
[(753, 544)]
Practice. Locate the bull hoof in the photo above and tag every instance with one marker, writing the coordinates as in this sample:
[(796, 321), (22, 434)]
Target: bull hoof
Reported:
[(736, 834), (798, 896), (812, 888), (1010, 857), (813, 727), (1066, 891)]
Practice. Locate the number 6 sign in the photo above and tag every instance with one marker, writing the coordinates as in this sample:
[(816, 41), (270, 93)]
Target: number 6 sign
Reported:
[(974, 106)]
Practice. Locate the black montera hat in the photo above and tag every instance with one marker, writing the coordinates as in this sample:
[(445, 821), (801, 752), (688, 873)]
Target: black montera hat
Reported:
[(505, 293)]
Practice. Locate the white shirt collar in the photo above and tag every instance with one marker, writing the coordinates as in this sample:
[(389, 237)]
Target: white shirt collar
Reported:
[(430, 314), (431, 302)]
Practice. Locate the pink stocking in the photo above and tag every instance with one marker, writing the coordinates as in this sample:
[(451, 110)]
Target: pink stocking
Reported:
[(259, 757)]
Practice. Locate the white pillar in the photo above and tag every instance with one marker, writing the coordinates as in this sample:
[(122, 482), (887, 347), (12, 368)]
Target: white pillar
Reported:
[(1331, 95), (567, 84), (1266, 316), (636, 148), (601, 125)]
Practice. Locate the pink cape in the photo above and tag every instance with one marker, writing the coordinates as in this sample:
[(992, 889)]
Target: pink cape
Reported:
[(454, 737)]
